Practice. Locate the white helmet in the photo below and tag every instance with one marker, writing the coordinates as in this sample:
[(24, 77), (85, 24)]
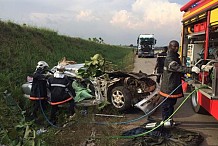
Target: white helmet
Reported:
[(42, 64)]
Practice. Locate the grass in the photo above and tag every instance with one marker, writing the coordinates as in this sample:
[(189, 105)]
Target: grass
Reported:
[(22, 46), (81, 130)]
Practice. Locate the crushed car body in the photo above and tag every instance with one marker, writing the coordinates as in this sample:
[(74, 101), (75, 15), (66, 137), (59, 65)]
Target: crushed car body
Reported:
[(123, 90)]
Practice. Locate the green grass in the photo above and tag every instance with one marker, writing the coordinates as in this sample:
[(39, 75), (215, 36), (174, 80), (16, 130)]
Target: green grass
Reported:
[(21, 47)]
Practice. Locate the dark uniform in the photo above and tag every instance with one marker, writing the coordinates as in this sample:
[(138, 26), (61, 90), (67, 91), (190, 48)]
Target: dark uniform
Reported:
[(173, 71), (38, 91), (160, 65), (61, 92)]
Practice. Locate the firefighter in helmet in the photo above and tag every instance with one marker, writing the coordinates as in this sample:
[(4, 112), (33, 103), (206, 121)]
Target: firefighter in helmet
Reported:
[(62, 92), (39, 88)]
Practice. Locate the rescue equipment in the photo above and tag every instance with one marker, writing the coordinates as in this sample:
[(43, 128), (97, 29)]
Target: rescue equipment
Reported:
[(168, 124), (161, 123)]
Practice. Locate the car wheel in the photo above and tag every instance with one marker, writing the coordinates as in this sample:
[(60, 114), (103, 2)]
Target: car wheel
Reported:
[(120, 98), (196, 106)]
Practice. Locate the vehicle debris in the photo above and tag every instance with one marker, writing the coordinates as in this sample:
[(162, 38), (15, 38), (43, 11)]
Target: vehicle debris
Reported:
[(123, 90), (106, 115)]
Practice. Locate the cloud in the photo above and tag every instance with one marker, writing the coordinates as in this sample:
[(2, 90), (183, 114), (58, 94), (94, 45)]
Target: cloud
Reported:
[(120, 18), (86, 15), (159, 17), (116, 21), (49, 18), (148, 13)]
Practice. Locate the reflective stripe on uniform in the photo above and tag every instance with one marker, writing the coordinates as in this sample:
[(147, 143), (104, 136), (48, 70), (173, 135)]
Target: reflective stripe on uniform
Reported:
[(162, 56), (171, 63), (61, 102), (36, 98), (58, 85), (171, 96)]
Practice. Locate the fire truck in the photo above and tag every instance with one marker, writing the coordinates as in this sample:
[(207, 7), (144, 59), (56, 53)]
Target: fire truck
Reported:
[(199, 46)]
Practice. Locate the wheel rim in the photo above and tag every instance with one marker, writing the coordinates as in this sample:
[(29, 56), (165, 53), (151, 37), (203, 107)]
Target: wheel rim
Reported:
[(118, 99)]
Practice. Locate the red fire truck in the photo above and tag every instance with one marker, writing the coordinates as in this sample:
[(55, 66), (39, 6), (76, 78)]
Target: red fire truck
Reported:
[(199, 46)]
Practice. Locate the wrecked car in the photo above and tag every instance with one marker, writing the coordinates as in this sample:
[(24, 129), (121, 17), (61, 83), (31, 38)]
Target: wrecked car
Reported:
[(123, 90), (94, 86)]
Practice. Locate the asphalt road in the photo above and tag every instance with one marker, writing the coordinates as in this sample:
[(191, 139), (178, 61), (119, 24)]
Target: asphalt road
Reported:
[(206, 125)]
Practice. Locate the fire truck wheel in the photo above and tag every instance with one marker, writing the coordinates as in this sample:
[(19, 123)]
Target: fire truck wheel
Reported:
[(196, 106), (120, 98)]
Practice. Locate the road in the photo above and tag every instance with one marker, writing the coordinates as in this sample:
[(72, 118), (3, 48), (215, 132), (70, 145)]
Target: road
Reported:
[(206, 125)]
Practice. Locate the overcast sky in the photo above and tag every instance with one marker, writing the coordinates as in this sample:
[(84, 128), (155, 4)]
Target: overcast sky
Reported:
[(115, 21)]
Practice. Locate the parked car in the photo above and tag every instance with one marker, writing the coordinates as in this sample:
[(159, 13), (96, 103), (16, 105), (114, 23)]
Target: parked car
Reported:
[(123, 90)]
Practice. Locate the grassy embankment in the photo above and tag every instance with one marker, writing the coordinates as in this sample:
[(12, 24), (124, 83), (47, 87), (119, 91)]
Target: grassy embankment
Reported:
[(21, 47)]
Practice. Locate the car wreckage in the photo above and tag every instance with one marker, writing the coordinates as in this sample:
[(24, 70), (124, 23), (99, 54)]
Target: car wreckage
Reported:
[(123, 90)]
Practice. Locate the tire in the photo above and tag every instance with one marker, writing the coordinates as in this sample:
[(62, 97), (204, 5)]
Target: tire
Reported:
[(120, 98), (196, 106)]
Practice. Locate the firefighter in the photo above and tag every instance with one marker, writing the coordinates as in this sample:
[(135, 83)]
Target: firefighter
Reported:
[(160, 64), (172, 76), (61, 92), (39, 88)]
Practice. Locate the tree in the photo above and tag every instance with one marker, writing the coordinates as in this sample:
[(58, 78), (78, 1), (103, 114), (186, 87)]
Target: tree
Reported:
[(95, 40), (101, 40)]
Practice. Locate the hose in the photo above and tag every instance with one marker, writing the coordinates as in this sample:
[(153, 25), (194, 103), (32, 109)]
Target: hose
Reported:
[(142, 134), (141, 117), (118, 123), (46, 118), (40, 102), (42, 110), (115, 123)]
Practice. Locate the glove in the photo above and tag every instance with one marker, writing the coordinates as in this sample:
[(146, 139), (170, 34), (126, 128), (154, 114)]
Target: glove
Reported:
[(196, 69)]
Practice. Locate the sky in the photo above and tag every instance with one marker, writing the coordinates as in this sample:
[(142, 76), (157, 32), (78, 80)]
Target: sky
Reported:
[(117, 22)]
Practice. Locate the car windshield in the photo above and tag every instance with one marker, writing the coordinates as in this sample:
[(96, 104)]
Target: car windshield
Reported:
[(146, 41)]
